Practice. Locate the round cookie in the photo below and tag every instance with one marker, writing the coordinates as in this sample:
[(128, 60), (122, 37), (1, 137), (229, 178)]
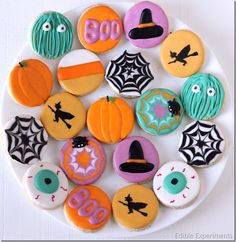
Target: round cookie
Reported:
[(63, 116), (176, 184), (83, 159), (182, 53), (136, 159), (25, 139), (202, 96), (110, 119), (145, 24), (46, 185), (129, 75), (30, 82), (99, 32), (159, 111), (201, 144), (80, 72), (88, 208), (134, 207), (51, 35)]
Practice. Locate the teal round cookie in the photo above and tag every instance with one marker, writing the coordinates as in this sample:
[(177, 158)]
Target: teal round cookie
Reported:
[(202, 96), (159, 111), (52, 35)]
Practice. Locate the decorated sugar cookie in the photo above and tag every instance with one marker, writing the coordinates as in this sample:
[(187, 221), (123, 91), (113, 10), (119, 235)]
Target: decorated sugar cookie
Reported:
[(159, 111), (136, 159), (99, 28), (201, 144), (176, 184), (202, 96), (182, 53), (52, 35), (25, 139), (63, 116), (80, 72), (129, 75), (134, 207), (83, 159), (88, 208), (145, 24), (110, 119), (46, 185), (30, 82)]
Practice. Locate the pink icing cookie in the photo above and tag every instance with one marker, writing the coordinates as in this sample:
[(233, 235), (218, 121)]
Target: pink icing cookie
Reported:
[(136, 159), (83, 159)]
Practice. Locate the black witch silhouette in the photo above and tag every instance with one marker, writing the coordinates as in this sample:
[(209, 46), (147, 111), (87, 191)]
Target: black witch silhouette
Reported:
[(61, 115), (134, 206)]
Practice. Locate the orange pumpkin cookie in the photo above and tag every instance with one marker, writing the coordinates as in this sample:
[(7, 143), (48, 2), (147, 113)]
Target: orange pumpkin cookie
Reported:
[(110, 119), (88, 208), (63, 116), (99, 28), (30, 82)]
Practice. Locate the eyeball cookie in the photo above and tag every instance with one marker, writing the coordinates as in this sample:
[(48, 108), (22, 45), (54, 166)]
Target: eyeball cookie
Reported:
[(176, 184), (46, 185), (136, 159), (110, 119), (201, 144), (159, 111), (83, 159), (30, 82), (80, 72), (25, 139), (129, 75), (99, 28), (202, 96), (51, 35), (88, 208)]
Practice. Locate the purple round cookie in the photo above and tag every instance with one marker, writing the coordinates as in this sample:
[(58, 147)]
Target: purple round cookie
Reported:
[(136, 159), (146, 25)]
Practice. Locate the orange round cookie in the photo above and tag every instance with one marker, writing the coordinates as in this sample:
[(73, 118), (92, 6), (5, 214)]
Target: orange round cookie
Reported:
[(30, 82), (88, 208), (99, 28), (110, 119), (182, 53)]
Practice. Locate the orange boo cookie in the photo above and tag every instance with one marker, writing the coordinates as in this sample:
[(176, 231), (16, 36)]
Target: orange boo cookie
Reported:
[(99, 28), (110, 119), (31, 82), (88, 208)]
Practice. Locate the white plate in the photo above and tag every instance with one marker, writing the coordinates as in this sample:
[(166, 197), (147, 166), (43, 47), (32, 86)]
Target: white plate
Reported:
[(167, 145)]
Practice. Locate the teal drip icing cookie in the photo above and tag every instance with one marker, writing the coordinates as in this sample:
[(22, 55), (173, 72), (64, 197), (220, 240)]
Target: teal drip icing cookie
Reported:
[(202, 96), (52, 35)]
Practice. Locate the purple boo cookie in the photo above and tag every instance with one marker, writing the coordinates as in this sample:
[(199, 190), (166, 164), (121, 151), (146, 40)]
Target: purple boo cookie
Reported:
[(145, 25), (136, 159)]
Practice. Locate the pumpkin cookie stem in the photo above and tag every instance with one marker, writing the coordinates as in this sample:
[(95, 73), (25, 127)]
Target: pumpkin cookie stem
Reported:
[(110, 99), (23, 64)]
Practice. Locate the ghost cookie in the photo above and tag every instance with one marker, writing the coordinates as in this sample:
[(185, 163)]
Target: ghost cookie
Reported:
[(129, 75), (110, 119), (46, 185), (99, 28), (201, 143), (182, 53), (80, 72), (176, 184), (136, 159), (51, 35), (145, 25), (63, 116), (25, 139), (83, 159), (87, 208), (202, 96), (30, 82), (159, 111), (134, 207)]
